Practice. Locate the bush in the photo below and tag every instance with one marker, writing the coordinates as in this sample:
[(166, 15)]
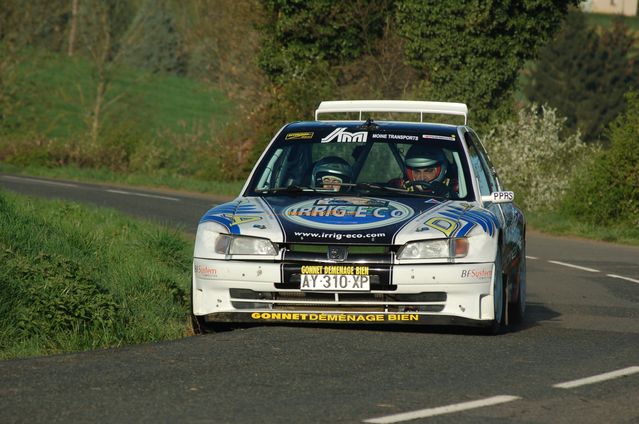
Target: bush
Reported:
[(532, 158), (608, 191)]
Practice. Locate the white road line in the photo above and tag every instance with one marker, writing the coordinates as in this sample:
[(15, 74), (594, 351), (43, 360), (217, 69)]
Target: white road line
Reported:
[(532, 257), (623, 278), (583, 268), (597, 378), (155, 196), (36, 181), (457, 407)]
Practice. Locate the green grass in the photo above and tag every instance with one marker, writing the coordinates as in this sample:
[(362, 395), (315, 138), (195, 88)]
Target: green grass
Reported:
[(556, 224), (225, 189), (606, 21), (58, 95), (75, 278)]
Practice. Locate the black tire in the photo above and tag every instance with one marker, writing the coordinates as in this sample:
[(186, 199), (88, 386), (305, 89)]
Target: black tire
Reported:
[(496, 326), (517, 309), (200, 326)]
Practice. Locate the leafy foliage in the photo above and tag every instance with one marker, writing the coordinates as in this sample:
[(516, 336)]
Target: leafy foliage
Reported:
[(314, 51), (533, 159), (300, 34), (607, 192), (61, 297), (157, 48), (585, 75), (472, 51), (23, 23), (222, 42)]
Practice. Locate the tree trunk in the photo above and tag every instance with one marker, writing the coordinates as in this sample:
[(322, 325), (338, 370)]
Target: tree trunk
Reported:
[(74, 26), (97, 108)]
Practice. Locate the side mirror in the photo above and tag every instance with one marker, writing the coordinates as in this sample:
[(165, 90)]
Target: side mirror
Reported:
[(499, 197)]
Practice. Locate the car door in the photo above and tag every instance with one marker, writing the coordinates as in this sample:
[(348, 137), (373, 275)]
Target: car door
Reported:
[(511, 216)]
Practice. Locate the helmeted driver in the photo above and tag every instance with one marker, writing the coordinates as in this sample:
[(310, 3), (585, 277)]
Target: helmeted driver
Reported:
[(330, 173), (425, 163), (427, 170)]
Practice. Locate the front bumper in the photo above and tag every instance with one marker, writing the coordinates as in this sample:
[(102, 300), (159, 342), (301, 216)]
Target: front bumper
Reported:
[(248, 291)]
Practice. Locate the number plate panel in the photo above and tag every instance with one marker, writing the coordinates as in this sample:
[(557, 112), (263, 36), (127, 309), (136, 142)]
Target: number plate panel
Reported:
[(335, 283)]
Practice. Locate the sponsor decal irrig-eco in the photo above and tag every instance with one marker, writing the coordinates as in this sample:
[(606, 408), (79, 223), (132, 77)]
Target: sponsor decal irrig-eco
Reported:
[(339, 236), (347, 215)]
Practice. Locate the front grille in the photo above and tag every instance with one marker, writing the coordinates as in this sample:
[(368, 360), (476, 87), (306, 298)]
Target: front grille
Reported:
[(352, 249), (351, 302)]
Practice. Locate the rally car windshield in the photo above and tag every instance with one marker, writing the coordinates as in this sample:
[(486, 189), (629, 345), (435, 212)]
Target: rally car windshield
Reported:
[(340, 161)]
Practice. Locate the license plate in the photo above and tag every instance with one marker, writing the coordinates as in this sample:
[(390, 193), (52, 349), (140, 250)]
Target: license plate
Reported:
[(324, 282)]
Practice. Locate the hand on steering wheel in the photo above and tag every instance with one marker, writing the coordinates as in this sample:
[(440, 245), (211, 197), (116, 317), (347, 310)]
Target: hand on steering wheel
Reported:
[(435, 187)]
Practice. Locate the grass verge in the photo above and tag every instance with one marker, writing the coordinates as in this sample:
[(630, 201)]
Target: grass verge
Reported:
[(556, 224), (68, 284)]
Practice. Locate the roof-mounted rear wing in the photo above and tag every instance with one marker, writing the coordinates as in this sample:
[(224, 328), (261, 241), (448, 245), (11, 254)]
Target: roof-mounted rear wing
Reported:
[(401, 106)]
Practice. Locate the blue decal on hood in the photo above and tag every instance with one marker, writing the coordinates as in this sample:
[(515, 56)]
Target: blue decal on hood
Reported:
[(347, 213), (232, 214), (344, 219), (450, 222)]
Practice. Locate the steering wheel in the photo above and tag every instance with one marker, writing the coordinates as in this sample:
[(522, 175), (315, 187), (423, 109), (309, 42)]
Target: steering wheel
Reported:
[(435, 187)]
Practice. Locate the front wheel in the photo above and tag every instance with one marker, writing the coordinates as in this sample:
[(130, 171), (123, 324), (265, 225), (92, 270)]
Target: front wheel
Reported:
[(499, 299), (517, 309), (200, 326)]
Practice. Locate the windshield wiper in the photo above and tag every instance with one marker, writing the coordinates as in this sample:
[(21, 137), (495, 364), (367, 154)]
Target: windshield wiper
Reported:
[(369, 186), (398, 190), (292, 189)]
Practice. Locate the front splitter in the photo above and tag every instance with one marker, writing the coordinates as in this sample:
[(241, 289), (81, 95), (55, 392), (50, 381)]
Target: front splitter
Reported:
[(341, 318)]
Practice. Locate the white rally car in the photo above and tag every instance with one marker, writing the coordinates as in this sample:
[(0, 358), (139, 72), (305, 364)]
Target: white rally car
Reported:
[(365, 221)]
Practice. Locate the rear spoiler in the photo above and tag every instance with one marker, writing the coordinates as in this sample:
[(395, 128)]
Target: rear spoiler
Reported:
[(401, 106)]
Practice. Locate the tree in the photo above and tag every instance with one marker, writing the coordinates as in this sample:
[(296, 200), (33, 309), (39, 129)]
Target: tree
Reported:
[(158, 45), (73, 27), (106, 33), (223, 42), (23, 25), (472, 51), (313, 50), (457, 51), (585, 75), (607, 191)]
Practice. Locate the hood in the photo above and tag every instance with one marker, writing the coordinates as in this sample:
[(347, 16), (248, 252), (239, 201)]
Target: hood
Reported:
[(350, 220)]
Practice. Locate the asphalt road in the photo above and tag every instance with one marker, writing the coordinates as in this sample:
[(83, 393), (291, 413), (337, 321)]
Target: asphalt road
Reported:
[(575, 359)]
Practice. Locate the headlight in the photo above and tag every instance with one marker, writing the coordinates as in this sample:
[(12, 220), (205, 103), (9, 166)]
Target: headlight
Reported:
[(239, 245), (212, 240), (434, 249)]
